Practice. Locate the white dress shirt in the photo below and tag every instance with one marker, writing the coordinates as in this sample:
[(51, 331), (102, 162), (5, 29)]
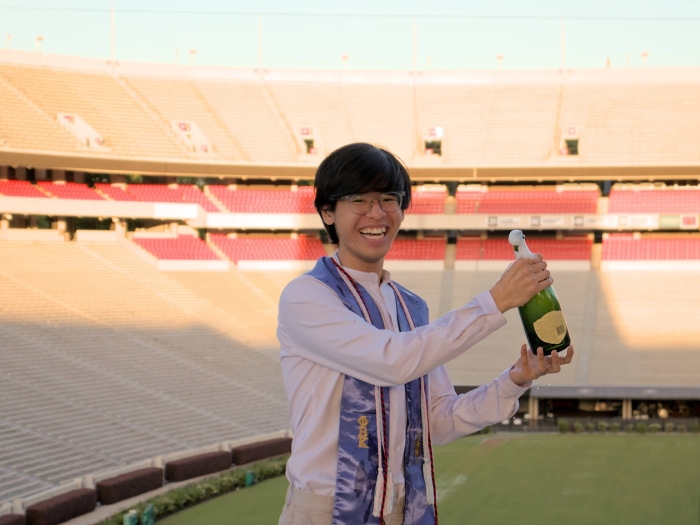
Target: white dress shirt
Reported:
[(321, 341)]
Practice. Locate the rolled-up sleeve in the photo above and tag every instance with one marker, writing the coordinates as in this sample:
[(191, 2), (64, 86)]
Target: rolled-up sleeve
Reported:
[(453, 416), (314, 324)]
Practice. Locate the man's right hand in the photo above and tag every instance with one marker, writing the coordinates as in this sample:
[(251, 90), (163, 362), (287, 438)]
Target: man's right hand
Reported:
[(520, 282)]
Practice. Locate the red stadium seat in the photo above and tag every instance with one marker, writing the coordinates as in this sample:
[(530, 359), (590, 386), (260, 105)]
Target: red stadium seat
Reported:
[(182, 248), (514, 201), (266, 201), (627, 247), (567, 249), (668, 200), (417, 250), (70, 190), (269, 248), (20, 188)]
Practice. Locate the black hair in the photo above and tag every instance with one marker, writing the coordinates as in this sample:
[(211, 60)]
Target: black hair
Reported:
[(358, 168)]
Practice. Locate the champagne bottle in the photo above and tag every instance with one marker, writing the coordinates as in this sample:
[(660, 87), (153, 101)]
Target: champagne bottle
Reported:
[(542, 317)]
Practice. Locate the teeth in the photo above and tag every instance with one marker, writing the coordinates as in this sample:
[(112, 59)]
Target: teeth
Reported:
[(373, 231)]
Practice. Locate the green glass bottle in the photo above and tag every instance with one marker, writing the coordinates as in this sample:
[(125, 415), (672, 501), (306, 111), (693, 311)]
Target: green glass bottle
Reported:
[(541, 316)]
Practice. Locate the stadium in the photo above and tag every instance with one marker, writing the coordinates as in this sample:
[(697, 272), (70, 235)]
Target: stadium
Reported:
[(153, 213)]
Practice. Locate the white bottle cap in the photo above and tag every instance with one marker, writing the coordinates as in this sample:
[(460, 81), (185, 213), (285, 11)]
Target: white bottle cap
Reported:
[(516, 238)]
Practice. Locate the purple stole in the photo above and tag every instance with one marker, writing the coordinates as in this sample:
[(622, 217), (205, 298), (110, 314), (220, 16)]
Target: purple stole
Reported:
[(361, 495)]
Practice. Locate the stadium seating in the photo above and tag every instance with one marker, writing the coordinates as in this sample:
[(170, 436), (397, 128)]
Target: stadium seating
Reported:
[(515, 200), (417, 250), (503, 119), (428, 200), (627, 247), (107, 361), (380, 113), (183, 101), (183, 193), (568, 249), (644, 200), (468, 200), (114, 192), (319, 105), (301, 248), (19, 188), (491, 122), (251, 118), (620, 120), (266, 200), (181, 248), (24, 127), (70, 190), (161, 193), (495, 201), (129, 131)]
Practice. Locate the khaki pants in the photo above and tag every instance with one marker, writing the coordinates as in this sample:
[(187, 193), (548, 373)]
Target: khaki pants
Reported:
[(304, 508)]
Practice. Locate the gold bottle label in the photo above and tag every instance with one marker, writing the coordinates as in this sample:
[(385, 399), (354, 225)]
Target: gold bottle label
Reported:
[(551, 327)]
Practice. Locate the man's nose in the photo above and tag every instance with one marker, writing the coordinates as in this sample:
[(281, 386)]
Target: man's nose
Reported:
[(376, 209)]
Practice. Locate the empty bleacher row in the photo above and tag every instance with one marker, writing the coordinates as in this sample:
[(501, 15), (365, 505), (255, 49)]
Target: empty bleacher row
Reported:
[(514, 118), (634, 247), (306, 248), (636, 198), (573, 248), (470, 199), (291, 199), (236, 249), (516, 200)]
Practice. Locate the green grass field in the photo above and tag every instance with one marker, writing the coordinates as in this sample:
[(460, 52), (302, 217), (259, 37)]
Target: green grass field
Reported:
[(528, 479)]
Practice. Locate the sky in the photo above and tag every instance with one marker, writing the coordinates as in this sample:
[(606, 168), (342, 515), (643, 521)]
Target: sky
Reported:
[(375, 35)]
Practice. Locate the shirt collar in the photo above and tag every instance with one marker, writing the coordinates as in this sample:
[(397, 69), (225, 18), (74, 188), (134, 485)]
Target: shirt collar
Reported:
[(365, 278)]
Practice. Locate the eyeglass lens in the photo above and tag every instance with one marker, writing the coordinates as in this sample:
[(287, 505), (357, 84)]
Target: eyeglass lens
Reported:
[(361, 204)]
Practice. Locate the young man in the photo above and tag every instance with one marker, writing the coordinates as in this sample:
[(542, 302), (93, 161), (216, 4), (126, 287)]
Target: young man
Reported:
[(363, 368)]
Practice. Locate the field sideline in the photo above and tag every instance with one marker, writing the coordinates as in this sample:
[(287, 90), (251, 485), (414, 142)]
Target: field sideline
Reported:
[(529, 479)]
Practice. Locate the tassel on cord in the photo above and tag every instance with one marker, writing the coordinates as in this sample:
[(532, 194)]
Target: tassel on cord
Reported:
[(379, 487), (377, 511), (428, 477), (389, 502)]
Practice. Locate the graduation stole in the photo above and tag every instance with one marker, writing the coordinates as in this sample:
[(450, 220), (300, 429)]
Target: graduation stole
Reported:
[(364, 490)]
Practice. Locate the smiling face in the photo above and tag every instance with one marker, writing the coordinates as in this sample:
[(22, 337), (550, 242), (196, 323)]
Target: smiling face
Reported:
[(363, 240)]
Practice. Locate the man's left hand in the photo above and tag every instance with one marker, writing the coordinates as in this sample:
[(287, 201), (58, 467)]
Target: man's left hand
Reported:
[(530, 367)]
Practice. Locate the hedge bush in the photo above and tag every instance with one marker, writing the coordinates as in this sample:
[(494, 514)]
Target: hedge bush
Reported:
[(563, 426), (184, 497), (578, 427), (62, 508), (261, 450), (629, 427), (695, 426), (669, 427), (641, 428), (614, 426), (196, 466), (128, 485), (654, 427), (603, 426), (681, 428), (590, 426), (12, 519)]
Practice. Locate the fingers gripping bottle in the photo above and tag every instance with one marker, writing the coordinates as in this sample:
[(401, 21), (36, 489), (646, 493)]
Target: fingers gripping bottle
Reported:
[(542, 317)]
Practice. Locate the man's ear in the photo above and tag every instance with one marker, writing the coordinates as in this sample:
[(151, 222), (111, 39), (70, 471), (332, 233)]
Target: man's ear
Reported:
[(328, 216)]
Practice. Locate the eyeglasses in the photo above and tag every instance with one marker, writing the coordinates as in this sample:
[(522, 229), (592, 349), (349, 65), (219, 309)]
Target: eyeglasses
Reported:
[(362, 203)]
